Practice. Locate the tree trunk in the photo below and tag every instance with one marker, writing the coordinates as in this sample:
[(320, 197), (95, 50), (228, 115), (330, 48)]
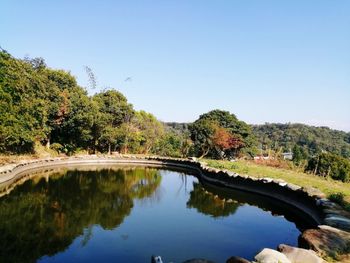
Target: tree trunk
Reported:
[(109, 149), (48, 143), (318, 160), (204, 153)]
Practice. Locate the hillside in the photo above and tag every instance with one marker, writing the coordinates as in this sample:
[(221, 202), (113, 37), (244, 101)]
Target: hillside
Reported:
[(277, 136), (312, 139)]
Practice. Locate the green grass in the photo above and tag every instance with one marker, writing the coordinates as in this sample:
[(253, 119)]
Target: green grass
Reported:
[(326, 185)]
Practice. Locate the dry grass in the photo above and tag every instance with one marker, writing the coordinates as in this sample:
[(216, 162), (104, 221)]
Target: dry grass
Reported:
[(11, 159)]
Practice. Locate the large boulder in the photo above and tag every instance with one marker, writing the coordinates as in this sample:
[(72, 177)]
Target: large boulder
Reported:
[(327, 241), (299, 255), (268, 255)]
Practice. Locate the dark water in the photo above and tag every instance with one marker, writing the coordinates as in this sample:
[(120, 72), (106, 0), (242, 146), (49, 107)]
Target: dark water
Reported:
[(129, 214)]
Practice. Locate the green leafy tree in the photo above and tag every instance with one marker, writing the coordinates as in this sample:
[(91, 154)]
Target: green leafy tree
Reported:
[(23, 107), (151, 131), (109, 137), (203, 131), (299, 155), (330, 165), (113, 110)]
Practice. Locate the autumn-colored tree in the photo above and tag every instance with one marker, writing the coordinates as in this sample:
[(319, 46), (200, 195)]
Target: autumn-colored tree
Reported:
[(225, 142), (203, 132)]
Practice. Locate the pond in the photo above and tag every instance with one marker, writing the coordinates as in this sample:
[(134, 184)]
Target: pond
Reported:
[(128, 214)]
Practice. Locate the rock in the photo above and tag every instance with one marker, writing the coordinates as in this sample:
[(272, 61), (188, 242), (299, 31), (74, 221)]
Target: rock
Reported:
[(326, 240), (231, 174), (338, 221), (268, 255), (313, 192), (198, 260), (254, 178), (237, 260), (325, 203), (267, 180), (335, 211), (293, 187), (299, 255), (156, 259)]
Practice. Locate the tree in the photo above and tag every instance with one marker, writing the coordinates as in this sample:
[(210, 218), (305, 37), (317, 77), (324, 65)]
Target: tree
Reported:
[(202, 132), (299, 155), (332, 165), (151, 130), (109, 136), (23, 107), (169, 145), (113, 110), (76, 130), (128, 138), (225, 143), (237, 133), (114, 106)]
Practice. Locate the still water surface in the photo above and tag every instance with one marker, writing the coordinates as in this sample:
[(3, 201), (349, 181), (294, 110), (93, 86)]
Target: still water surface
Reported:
[(129, 214)]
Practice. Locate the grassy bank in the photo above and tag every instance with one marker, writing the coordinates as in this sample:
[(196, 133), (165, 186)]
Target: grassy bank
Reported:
[(328, 186)]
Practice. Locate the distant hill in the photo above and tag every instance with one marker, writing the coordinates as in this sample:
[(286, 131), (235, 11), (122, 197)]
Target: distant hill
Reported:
[(312, 139), (277, 136), (177, 126)]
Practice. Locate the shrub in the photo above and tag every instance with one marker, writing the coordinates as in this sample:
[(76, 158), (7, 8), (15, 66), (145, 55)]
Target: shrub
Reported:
[(57, 147), (332, 165), (337, 198)]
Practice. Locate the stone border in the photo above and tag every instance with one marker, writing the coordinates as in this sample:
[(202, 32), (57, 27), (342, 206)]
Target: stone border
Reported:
[(310, 201)]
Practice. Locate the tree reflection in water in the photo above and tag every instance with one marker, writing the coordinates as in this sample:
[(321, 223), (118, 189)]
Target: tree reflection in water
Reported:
[(43, 217), (210, 204)]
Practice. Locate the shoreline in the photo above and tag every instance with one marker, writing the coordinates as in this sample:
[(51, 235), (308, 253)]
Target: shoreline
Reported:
[(309, 201)]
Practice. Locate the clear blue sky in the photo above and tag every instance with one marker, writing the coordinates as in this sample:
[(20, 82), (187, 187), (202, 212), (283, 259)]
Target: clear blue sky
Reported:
[(265, 61)]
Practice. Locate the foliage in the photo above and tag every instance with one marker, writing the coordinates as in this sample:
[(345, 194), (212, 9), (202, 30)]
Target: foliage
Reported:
[(226, 143), (151, 130), (202, 132), (57, 147), (43, 105), (312, 140), (299, 155), (220, 134), (330, 165), (170, 144), (40, 105)]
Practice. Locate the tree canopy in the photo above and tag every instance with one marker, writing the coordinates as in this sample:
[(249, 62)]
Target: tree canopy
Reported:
[(40, 105), (220, 134), (312, 140)]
